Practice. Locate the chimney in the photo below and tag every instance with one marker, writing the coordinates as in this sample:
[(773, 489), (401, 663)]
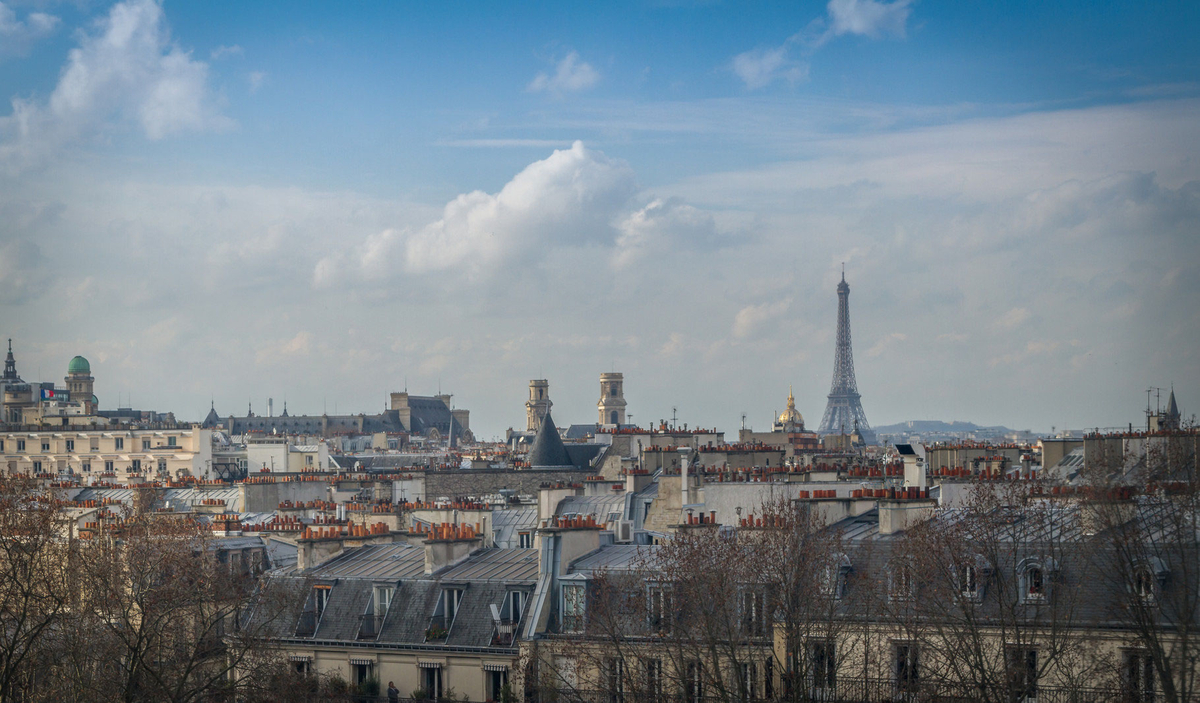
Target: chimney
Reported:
[(549, 496), (898, 514), (448, 545), (914, 466)]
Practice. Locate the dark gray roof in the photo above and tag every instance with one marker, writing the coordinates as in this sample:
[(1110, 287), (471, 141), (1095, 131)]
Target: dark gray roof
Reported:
[(581, 431), (581, 455), (375, 561), (496, 565), (548, 449)]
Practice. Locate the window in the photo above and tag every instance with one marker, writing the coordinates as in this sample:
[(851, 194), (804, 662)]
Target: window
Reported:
[(70, 445), (383, 599), (572, 607), (769, 679), (497, 680), (45, 447), (524, 540), (87, 466), (94, 444), (362, 673), (119, 443), (20, 445), (516, 605), (1137, 676), (432, 682), (145, 445), (37, 466), (1143, 584), (693, 683), (1035, 583), (1022, 667), (1, 445), (906, 670), (821, 665), (302, 666), (754, 613), (171, 441), (615, 670), (135, 465), (162, 466), (660, 607), (108, 466), (968, 577), (654, 679), (749, 681), (833, 580), (451, 597), (320, 599), (901, 581)]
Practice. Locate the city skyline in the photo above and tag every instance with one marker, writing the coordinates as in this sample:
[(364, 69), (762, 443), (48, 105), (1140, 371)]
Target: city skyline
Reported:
[(216, 201)]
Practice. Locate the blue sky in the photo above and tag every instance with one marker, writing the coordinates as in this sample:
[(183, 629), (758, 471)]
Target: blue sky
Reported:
[(478, 194)]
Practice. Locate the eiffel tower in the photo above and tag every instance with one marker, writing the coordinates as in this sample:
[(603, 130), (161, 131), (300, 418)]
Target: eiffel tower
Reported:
[(844, 413)]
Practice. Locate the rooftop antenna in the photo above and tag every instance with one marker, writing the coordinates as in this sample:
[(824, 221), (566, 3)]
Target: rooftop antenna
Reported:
[(743, 422), (674, 418)]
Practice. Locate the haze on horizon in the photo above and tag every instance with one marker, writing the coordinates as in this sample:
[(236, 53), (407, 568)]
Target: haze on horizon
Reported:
[(323, 204)]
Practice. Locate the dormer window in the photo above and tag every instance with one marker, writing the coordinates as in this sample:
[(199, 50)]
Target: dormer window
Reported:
[(754, 613), (901, 581), (1035, 579), (968, 581), (833, 578), (573, 607), (1035, 584), (660, 607)]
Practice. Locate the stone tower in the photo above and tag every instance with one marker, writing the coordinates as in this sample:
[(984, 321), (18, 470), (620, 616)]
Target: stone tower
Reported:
[(80, 383), (844, 412), (612, 399), (538, 404)]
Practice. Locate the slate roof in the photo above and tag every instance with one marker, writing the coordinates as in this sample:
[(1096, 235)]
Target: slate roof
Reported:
[(598, 506), (548, 449), (484, 579), (507, 522), (375, 561)]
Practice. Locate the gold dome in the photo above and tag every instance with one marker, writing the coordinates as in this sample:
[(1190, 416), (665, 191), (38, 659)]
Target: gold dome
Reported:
[(791, 415)]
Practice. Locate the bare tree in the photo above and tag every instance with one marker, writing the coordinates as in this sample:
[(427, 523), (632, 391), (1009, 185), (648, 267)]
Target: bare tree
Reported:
[(990, 596), (1146, 522)]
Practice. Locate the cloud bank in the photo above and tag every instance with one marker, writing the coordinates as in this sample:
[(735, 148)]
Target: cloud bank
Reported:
[(125, 71)]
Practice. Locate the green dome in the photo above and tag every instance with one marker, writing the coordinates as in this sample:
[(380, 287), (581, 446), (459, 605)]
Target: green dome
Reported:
[(79, 365)]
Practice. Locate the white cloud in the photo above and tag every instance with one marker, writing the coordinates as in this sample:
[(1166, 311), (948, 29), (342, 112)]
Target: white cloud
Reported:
[(571, 75), (869, 18), (1013, 318), (752, 319), (758, 68), (660, 228), (18, 36), (885, 343), (125, 71), (223, 51), (256, 78), (567, 199)]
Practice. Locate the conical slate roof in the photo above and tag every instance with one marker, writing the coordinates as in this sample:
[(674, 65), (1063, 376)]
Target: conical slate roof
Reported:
[(548, 449), (1172, 408), (211, 420)]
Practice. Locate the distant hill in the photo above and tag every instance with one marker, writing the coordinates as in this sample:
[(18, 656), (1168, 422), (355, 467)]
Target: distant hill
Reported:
[(927, 426)]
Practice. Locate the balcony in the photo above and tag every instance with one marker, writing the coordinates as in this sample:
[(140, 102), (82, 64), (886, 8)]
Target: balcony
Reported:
[(438, 630), (369, 626), (307, 627)]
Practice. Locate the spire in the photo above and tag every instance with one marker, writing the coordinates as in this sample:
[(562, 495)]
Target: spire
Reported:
[(1172, 408), (10, 366)]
